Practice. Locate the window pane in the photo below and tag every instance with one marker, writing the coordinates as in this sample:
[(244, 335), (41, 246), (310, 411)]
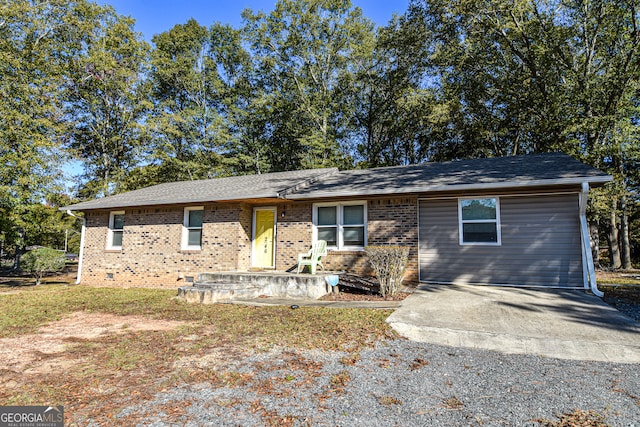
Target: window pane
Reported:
[(478, 209), (118, 222), (353, 215), (480, 233), (116, 240), (327, 215), (195, 218), (329, 234), (195, 237), (353, 236)]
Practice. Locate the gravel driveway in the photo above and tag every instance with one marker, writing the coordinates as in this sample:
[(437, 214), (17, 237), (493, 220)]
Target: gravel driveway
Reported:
[(400, 383)]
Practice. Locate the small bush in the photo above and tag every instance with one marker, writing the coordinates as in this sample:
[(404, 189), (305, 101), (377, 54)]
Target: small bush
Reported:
[(388, 263), (38, 262)]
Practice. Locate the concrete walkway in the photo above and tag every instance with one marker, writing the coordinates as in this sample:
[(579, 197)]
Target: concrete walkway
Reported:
[(553, 323)]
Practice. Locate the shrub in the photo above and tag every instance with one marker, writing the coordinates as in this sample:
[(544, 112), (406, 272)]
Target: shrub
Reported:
[(40, 261), (388, 263)]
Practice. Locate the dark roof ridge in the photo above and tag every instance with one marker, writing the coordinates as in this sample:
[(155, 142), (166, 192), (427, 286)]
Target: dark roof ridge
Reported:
[(491, 173), (475, 159), (305, 183)]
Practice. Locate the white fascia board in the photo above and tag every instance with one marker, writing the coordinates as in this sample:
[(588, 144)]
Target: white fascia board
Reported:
[(94, 204)]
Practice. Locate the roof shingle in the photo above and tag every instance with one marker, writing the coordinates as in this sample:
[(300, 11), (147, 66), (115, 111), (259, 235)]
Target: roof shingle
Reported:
[(268, 185), (490, 173)]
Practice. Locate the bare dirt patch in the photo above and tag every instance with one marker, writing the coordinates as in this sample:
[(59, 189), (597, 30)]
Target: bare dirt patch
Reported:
[(44, 351), (60, 346)]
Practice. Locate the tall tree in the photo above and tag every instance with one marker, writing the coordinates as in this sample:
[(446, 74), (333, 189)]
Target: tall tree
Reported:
[(529, 76), (242, 102), (190, 131), (392, 110), (37, 44), (31, 44), (106, 101), (301, 50)]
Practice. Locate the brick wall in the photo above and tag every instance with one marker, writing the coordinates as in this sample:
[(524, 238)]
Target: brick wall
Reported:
[(294, 233), (395, 222), (390, 221), (151, 252)]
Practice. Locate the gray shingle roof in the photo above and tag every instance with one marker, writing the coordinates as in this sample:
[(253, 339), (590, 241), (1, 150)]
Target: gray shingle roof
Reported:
[(491, 173), (269, 185)]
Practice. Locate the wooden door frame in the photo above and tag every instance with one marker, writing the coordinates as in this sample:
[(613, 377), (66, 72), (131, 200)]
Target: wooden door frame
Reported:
[(274, 209)]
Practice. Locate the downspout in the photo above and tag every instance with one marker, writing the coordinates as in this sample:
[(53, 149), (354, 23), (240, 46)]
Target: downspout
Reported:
[(80, 255), (588, 270)]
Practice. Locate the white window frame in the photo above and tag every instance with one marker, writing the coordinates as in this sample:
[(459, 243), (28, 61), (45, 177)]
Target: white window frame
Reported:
[(186, 228), (110, 234), (340, 246), (461, 222)]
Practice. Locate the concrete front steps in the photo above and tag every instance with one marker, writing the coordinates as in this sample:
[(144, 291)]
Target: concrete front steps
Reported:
[(211, 288)]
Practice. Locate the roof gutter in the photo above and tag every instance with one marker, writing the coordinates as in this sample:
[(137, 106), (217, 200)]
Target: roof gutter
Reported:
[(588, 269), (80, 255)]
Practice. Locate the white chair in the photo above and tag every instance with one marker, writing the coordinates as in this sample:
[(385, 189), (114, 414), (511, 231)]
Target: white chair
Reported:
[(313, 257)]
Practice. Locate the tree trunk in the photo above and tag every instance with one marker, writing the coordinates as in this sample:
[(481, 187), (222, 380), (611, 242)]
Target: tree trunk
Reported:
[(624, 235), (595, 242), (20, 249), (612, 238), (16, 259)]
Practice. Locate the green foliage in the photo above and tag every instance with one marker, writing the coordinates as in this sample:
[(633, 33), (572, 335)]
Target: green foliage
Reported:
[(38, 224), (303, 51), (389, 264), (527, 76), (106, 100), (25, 311), (188, 129), (391, 108), (39, 44), (40, 261), (312, 84), (32, 49)]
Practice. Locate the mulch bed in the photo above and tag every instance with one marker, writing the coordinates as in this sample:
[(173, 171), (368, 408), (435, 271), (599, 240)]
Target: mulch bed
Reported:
[(355, 295)]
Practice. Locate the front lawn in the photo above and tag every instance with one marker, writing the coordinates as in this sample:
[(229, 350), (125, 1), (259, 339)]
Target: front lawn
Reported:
[(95, 349)]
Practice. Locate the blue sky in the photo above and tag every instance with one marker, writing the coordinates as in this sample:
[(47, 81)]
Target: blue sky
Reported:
[(156, 16)]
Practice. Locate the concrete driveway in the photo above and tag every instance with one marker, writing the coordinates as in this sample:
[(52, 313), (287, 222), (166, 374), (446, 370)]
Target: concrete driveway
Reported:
[(553, 323)]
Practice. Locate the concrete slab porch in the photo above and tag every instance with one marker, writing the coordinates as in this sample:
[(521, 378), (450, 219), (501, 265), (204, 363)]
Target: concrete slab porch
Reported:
[(553, 323), (211, 288)]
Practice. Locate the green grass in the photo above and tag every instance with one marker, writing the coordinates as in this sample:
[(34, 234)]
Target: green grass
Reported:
[(27, 309), (618, 278), (116, 369)]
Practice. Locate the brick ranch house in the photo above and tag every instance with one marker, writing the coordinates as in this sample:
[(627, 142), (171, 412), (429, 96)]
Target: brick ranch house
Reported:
[(517, 221)]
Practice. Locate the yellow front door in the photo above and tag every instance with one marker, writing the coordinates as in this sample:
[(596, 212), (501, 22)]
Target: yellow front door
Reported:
[(263, 240)]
